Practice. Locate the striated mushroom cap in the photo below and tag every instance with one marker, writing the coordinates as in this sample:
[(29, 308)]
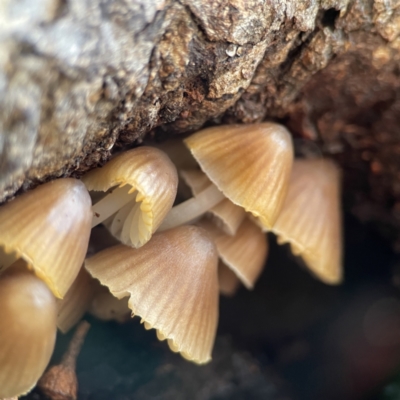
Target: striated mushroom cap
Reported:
[(311, 219), (244, 253), (172, 282), (49, 227), (27, 330), (228, 281), (106, 307), (76, 302), (250, 164), (151, 180)]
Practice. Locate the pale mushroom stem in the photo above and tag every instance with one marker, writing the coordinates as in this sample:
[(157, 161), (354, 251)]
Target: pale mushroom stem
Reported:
[(192, 208), (111, 203)]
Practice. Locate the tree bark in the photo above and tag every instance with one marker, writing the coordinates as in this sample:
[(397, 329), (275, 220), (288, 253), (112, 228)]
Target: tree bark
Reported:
[(81, 78)]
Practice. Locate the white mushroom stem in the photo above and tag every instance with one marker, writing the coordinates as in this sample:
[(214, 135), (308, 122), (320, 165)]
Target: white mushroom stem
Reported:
[(192, 208), (111, 203)]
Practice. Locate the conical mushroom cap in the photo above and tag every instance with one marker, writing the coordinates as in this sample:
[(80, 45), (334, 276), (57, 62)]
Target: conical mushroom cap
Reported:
[(172, 282), (226, 215), (228, 281), (245, 253), (49, 227), (311, 219), (153, 181), (250, 164), (75, 303)]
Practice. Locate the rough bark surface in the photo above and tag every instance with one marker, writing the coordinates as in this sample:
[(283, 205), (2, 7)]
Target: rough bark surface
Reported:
[(78, 78)]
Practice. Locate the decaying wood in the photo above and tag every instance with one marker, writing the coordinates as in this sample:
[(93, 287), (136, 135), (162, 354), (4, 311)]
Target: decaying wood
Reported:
[(79, 79)]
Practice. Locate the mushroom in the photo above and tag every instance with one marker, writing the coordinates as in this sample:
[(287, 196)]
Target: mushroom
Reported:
[(60, 381), (249, 164), (225, 214), (106, 307), (49, 228), (227, 279), (311, 220), (141, 187), (27, 329), (173, 286), (244, 253), (76, 302)]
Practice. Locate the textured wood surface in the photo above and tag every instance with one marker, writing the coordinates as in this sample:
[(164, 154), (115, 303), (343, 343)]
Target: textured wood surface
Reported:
[(79, 79)]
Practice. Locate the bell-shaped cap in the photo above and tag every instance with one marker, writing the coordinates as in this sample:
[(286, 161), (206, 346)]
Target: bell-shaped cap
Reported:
[(27, 330), (311, 219), (245, 253), (225, 214), (75, 303), (49, 227), (250, 164), (172, 282), (151, 180), (228, 281)]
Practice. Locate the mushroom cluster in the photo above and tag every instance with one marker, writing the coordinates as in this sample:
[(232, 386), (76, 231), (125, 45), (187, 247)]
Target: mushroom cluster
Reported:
[(172, 261)]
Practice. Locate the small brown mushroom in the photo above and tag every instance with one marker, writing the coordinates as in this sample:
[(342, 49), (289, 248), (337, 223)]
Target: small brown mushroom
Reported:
[(76, 302), (60, 381), (172, 283), (106, 307), (27, 329), (141, 187), (49, 227), (311, 219), (250, 164), (245, 253), (228, 281)]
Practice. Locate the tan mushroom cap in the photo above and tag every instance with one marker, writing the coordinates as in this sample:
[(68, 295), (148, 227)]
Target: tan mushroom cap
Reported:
[(75, 303), (311, 219), (173, 286), (226, 215), (27, 329), (228, 281), (49, 227), (150, 178), (245, 253), (250, 164)]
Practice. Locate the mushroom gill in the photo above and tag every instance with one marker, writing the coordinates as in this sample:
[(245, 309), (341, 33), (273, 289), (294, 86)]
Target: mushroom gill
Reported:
[(141, 186)]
